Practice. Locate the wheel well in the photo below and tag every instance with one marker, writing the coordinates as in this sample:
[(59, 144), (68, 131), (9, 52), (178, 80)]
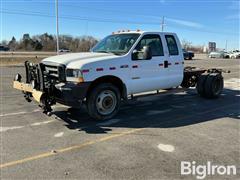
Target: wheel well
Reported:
[(110, 79)]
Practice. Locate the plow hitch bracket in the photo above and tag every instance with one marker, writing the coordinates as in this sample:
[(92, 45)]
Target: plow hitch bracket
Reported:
[(35, 86)]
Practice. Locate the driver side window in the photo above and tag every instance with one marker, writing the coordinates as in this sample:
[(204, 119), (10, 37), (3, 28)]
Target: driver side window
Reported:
[(154, 42)]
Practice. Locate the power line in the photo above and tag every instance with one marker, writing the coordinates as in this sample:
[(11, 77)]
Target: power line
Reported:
[(96, 19), (110, 11)]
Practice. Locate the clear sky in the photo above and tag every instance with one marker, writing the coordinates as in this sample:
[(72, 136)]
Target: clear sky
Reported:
[(197, 21)]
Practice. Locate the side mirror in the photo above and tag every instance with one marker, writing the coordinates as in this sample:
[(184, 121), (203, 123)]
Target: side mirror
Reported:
[(135, 54), (144, 54), (147, 53)]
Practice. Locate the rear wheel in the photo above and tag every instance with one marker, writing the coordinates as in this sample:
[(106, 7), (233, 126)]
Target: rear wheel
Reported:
[(201, 83), (103, 102), (213, 85), (210, 85)]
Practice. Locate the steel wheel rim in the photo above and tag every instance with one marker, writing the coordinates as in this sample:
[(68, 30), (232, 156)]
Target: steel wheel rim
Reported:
[(106, 102)]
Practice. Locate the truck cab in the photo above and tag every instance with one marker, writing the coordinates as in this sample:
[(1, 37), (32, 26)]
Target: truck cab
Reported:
[(122, 64)]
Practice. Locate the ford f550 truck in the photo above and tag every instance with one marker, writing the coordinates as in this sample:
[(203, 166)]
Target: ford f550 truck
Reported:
[(120, 65)]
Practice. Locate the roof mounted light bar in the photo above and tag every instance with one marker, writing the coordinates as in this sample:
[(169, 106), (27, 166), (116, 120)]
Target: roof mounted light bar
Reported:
[(121, 31)]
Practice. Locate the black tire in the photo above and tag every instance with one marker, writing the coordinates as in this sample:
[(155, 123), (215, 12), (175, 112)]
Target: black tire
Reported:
[(213, 85), (93, 104), (201, 84), (190, 58)]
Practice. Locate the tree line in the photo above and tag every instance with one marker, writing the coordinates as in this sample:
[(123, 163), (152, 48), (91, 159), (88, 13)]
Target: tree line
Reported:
[(190, 47), (47, 42)]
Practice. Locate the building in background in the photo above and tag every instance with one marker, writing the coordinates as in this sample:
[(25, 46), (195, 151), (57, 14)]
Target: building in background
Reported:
[(205, 49), (211, 46)]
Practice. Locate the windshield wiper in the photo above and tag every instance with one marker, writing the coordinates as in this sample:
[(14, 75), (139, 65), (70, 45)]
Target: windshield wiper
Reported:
[(118, 53), (102, 52), (115, 53)]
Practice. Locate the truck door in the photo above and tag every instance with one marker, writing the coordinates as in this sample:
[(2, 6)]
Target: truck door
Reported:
[(147, 75), (175, 60)]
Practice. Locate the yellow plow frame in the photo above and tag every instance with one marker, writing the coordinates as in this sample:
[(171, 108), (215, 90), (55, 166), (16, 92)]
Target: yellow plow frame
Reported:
[(28, 88)]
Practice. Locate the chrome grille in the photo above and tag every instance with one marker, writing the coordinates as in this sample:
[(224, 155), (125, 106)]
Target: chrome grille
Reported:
[(55, 72), (51, 71)]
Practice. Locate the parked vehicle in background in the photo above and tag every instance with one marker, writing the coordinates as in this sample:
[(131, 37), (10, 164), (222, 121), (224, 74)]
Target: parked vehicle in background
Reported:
[(4, 48), (234, 54), (236, 51), (226, 55), (219, 54), (187, 54), (64, 50)]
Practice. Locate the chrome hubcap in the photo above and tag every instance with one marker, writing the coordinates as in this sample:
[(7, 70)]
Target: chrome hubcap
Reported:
[(106, 102)]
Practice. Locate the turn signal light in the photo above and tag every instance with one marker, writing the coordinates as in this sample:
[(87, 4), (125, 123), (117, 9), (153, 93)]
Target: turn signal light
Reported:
[(80, 80)]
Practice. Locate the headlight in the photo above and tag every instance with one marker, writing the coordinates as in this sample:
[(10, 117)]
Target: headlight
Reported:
[(74, 75)]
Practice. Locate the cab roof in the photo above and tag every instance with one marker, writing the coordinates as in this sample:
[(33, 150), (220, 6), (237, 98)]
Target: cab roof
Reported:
[(140, 32)]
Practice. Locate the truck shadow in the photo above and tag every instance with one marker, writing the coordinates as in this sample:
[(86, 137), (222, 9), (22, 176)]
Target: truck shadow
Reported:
[(169, 111)]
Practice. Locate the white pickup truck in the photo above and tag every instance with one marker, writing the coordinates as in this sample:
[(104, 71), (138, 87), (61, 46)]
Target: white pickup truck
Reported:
[(120, 65)]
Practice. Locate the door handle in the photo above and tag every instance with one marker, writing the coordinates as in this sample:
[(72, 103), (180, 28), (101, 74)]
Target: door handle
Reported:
[(165, 64)]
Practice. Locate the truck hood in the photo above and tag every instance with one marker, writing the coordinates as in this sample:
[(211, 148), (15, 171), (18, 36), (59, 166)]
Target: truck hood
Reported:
[(78, 59)]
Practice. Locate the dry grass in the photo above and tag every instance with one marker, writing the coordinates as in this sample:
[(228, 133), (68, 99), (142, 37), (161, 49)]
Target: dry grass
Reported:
[(17, 61), (18, 58)]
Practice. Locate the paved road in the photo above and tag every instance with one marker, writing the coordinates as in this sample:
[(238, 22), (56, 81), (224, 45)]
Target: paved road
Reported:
[(147, 140)]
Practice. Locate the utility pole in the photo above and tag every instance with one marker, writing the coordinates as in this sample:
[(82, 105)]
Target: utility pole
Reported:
[(226, 45), (57, 28), (162, 23)]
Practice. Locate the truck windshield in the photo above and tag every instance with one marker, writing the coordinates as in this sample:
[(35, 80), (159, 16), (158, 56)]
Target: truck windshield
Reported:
[(118, 44)]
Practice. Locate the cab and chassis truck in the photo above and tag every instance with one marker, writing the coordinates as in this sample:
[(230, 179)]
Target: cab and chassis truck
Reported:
[(120, 65)]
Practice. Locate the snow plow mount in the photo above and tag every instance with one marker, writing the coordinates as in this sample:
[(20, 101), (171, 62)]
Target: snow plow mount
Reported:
[(38, 86)]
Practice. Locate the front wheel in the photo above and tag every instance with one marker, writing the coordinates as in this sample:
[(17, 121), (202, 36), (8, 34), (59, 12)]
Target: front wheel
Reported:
[(103, 102)]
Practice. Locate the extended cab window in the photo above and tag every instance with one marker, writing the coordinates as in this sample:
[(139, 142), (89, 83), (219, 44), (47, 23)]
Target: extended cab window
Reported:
[(154, 42), (172, 45)]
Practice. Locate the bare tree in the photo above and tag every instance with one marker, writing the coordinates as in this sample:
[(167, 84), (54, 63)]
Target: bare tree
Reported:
[(186, 44), (13, 44), (47, 42), (4, 43)]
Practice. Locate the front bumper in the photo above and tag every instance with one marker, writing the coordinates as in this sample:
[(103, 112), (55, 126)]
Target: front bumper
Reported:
[(71, 94)]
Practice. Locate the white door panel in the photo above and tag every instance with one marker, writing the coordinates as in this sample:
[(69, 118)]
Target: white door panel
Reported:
[(150, 74), (175, 60)]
